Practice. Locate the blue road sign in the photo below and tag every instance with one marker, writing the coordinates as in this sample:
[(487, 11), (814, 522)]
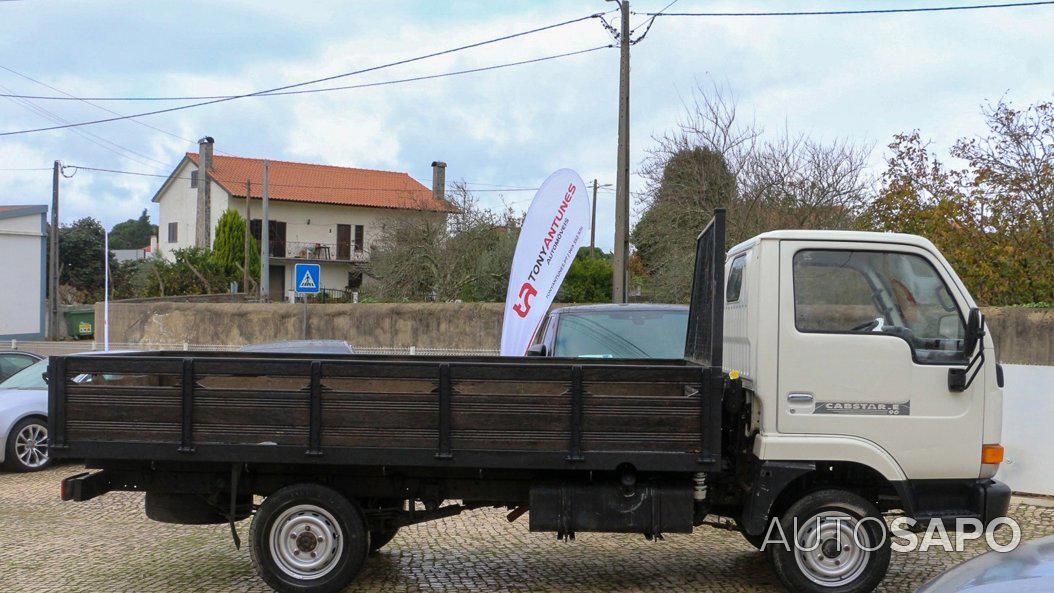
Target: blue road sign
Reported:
[(307, 278)]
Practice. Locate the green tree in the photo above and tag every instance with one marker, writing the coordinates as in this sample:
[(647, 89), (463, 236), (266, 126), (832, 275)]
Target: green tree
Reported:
[(588, 279), (693, 182), (81, 260), (132, 233), (228, 250)]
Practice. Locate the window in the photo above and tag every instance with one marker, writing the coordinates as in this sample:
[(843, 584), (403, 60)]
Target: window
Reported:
[(173, 232), (11, 363), (30, 377), (193, 179), (622, 334), (354, 280), (359, 238), (874, 292), (735, 279)]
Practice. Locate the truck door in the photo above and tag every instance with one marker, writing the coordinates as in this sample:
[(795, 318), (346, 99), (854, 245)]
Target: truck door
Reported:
[(867, 334)]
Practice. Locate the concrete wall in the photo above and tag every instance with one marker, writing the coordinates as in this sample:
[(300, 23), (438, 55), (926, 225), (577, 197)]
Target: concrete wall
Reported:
[(1022, 336), (23, 247), (441, 325)]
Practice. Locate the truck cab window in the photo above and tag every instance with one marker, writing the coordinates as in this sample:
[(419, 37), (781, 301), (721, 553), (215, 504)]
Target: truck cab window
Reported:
[(876, 292), (735, 279)]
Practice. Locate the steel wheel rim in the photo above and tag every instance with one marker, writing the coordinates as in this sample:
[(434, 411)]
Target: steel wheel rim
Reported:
[(31, 446), (306, 542), (827, 549)]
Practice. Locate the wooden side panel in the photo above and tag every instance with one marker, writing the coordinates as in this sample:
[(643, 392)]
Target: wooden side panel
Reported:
[(566, 408), (379, 412)]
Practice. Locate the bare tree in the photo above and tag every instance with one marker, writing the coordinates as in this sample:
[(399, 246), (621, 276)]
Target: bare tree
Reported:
[(465, 254), (716, 159)]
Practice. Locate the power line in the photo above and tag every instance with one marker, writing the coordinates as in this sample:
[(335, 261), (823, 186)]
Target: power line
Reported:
[(314, 81), (326, 89), (852, 11), (88, 102), (96, 139)]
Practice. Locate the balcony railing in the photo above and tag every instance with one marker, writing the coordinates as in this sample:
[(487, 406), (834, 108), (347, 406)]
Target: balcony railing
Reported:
[(312, 251)]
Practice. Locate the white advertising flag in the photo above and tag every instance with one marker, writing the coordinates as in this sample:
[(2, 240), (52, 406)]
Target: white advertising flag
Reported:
[(556, 223)]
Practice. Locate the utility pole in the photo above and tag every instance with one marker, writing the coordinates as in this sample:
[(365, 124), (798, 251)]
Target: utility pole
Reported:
[(593, 223), (619, 291), (53, 259), (248, 223), (265, 243), (203, 221)]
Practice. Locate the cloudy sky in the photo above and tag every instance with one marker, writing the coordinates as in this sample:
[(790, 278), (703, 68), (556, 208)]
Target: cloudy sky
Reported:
[(863, 78)]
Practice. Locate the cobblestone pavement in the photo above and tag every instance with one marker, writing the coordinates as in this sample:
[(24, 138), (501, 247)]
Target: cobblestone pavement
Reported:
[(108, 545)]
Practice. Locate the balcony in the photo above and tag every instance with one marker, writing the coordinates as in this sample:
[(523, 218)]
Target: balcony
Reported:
[(318, 252)]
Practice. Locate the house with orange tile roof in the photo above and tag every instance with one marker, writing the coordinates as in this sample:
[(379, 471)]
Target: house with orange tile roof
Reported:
[(318, 213)]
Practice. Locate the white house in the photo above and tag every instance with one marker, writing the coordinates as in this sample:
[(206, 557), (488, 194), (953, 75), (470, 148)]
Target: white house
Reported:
[(23, 279), (318, 213)]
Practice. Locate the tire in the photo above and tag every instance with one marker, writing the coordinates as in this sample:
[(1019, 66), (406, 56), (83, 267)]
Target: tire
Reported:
[(379, 539), (837, 564), (754, 540), (308, 519), (27, 446)]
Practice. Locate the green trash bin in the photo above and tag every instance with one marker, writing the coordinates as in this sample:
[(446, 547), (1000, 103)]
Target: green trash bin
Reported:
[(80, 322)]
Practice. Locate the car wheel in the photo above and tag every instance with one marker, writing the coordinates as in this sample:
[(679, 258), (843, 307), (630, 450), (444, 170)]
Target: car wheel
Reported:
[(27, 446)]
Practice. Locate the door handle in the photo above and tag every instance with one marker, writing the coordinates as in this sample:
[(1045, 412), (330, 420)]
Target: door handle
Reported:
[(799, 398)]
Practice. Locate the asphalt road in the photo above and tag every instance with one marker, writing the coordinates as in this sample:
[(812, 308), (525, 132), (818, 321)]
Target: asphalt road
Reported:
[(108, 545)]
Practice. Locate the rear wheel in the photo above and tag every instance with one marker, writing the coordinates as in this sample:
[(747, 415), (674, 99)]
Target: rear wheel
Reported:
[(838, 543), (308, 538), (27, 446)]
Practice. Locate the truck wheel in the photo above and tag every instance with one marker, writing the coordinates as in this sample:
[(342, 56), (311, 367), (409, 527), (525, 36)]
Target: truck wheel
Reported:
[(308, 538), (838, 544), (27, 446)]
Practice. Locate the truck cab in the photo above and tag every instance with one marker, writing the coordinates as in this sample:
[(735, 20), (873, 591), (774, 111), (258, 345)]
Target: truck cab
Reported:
[(863, 354)]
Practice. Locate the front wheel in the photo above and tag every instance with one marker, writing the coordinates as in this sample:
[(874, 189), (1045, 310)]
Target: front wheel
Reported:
[(308, 538), (837, 542)]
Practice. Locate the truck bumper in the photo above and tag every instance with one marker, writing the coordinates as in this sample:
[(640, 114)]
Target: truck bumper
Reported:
[(85, 486), (948, 500)]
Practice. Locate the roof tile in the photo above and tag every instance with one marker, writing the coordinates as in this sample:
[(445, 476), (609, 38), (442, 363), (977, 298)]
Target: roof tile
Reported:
[(324, 184)]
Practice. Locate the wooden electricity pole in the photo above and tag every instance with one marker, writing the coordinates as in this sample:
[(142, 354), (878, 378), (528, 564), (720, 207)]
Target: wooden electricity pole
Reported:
[(265, 242), (248, 225), (619, 293)]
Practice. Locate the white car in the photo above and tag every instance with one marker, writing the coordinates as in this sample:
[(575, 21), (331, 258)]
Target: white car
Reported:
[(23, 419)]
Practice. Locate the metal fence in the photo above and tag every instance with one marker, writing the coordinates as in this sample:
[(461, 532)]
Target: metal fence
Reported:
[(74, 346)]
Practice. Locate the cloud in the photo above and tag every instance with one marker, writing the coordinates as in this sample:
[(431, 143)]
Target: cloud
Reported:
[(862, 78)]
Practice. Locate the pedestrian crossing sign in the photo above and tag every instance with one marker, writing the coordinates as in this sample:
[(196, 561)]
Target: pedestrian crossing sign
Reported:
[(307, 278)]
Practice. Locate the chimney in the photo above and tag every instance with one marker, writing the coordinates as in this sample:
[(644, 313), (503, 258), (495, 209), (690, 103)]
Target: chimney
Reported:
[(438, 180), (202, 224)]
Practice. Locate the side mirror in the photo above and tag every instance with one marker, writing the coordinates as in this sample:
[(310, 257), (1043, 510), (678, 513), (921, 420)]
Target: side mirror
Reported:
[(538, 350), (974, 331)]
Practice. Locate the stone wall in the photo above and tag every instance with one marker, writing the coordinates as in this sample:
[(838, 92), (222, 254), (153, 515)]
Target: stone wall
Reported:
[(424, 325), (1023, 336)]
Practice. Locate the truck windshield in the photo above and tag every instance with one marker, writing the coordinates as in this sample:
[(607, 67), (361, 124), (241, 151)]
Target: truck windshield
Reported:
[(622, 334)]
